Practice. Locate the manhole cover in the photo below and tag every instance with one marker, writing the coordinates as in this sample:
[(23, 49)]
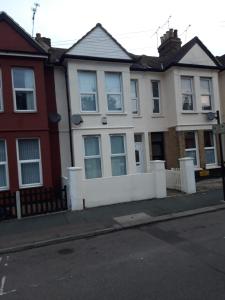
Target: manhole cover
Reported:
[(66, 251)]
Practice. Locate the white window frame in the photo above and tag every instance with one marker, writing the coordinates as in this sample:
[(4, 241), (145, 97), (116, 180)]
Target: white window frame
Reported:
[(119, 154), (210, 94), (136, 99), (20, 162), (212, 148), (86, 157), (24, 90), (191, 78), (89, 93), (121, 93), (3, 188), (156, 98), (196, 149), (1, 93)]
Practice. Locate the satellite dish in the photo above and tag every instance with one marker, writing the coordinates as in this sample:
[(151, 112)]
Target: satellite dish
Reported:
[(76, 119), (54, 117), (211, 116)]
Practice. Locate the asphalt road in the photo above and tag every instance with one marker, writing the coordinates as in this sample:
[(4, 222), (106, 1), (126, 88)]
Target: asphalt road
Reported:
[(178, 260)]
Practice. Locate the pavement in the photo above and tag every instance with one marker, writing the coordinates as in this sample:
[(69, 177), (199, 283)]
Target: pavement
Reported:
[(39, 231)]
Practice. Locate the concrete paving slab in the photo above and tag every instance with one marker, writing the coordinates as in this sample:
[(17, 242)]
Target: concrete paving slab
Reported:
[(134, 219)]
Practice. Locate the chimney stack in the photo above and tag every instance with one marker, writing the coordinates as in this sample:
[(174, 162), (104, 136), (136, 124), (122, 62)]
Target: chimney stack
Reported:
[(45, 42), (170, 43)]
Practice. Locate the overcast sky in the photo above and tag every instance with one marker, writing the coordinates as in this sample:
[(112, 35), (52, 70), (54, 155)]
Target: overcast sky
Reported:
[(132, 23)]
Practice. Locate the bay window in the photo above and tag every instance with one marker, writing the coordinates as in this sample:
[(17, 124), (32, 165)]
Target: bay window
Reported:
[(88, 91), (24, 89), (206, 93), (114, 95), (29, 162), (118, 155), (92, 158), (187, 93)]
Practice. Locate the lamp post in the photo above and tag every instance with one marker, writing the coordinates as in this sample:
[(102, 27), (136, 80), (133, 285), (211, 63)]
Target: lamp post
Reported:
[(211, 116)]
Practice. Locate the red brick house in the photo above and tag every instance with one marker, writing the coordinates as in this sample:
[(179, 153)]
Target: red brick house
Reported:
[(29, 147)]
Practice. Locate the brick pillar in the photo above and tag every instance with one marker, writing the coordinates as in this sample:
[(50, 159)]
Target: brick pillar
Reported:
[(171, 148), (181, 143)]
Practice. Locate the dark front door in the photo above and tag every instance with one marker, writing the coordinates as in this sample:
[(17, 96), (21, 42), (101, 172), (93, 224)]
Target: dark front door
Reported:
[(157, 139)]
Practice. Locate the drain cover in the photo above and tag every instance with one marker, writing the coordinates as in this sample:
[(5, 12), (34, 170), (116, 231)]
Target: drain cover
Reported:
[(133, 219)]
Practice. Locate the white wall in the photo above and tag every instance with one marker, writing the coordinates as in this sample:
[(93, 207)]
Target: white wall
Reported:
[(111, 190)]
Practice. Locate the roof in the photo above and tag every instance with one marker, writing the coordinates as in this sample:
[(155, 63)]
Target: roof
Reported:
[(221, 59), (146, 63), (22, 32)]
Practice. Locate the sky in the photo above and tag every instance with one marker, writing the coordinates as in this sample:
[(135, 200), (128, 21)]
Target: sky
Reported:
[(137, 25)]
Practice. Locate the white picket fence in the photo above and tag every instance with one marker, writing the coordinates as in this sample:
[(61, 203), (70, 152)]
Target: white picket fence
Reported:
[(173, 179)]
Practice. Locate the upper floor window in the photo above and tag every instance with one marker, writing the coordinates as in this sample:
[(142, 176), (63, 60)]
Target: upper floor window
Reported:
[(24, 89), (134, 96), (206, 93), (88, 91), (1, 94), (92, 158), (29, 162), (156, 97), (187, 93), (3, 166), (114, 91)]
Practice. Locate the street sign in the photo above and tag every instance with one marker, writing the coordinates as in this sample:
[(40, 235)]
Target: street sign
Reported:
[(218, 128)]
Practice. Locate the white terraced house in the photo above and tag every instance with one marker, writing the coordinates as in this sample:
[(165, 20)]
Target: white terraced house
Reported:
[(121, 111)]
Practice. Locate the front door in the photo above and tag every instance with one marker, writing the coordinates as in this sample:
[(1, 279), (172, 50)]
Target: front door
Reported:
[(157, 139), (139, 153)]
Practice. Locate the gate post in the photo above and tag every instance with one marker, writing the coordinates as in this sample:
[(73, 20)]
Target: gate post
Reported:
[(75, 188), (18, 205), (159, 173), (187, 175)]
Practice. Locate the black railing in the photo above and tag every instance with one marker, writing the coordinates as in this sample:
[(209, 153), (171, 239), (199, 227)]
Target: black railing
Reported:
[(7, 205), (36, 201)]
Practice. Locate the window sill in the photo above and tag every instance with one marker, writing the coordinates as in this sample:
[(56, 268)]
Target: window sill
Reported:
[(25, 111), (158, 116), (30, 186), (215, 166), (116, 113), (91, 113), (136, 116), (197, 168), (189, 112)]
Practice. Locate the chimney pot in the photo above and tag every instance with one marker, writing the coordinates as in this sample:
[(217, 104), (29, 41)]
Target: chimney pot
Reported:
[(170, 43)]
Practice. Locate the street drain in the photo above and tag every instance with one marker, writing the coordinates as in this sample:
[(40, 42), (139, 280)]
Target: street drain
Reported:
[(66, 251)]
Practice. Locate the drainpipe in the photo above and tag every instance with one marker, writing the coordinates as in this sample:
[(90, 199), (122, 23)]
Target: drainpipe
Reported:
[(69, 119)]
